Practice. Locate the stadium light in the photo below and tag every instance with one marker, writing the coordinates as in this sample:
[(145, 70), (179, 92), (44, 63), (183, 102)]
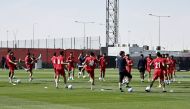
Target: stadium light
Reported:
[(84, 26), (158, 25)]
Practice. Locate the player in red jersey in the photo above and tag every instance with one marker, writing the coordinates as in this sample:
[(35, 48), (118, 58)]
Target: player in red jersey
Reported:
[(11, 64), (148, 66), (129, 63), (90, 64), (60, 69), (158, 64), (54, 62), (128, 68), (70, 67), (173, 68), (168, 68), (29, 62), (102, 63)]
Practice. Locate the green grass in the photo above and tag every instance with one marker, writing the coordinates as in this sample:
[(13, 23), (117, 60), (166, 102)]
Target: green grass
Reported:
[(33, 95)]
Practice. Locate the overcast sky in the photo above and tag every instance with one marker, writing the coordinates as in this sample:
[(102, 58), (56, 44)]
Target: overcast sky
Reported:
[(56, 18)]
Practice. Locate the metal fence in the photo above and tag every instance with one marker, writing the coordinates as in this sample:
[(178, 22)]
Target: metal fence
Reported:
[(62, 43)]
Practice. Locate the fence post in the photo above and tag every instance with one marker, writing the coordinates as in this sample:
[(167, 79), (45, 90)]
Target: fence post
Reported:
[(74, 42), (90, 43), (62, 43), (25, 43), (31, 43), (71, 42), (18, 44), (54, 43), (87, 42), (1, 43), (38, 43), (13, 44)]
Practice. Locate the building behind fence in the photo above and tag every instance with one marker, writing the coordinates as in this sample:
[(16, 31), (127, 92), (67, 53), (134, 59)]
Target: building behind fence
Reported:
[(56, 43)]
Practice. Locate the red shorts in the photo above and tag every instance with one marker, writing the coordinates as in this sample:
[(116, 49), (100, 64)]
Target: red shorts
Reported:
[(102, 69), (70, 68), (11, 69), (148, 69), (129, 70), (29, 67), (60, 72), (158, 73), (54, 70), (90, 72)]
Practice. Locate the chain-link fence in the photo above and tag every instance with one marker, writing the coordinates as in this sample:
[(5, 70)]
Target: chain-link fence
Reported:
[(62, 43)]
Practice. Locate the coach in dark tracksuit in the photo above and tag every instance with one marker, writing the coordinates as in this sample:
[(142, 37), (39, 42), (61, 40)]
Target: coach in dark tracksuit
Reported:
[(121, 63), (142, 67)]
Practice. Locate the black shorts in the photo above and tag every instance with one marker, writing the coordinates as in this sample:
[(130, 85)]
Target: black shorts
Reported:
[(124, 74), (142, 70)]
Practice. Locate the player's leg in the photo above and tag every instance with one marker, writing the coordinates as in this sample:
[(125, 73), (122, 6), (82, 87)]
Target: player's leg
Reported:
[(11, 75), (129, 78), (91, 74), (101, 75), (142, 72), (57, 78), (121, 77), (104, 72), (64, 79), (155, 77), (73, 73), (162, 82)]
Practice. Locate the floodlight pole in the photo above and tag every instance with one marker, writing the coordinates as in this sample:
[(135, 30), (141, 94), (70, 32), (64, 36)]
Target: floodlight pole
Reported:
[(84, 29), (159, 17)]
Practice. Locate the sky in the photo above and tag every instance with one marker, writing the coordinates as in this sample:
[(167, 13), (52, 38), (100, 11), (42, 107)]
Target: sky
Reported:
[(56, 18)]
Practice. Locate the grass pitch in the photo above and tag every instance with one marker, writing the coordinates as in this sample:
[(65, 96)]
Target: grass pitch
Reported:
[(42, 94)]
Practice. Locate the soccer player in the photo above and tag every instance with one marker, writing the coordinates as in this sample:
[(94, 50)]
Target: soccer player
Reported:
[(70, 66), (54, 62), (3, 63), (168, 68), (11, 64), (81, 59), (148, 66), (89, 65), (60, 69), (128, 67), (121, 62), (129, 63), (102, 63), (173, 68), (141, 67), (158, 64), (29, 61)]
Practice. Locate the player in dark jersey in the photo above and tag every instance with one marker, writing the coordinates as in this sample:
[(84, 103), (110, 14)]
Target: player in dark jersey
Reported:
[(121, 63)]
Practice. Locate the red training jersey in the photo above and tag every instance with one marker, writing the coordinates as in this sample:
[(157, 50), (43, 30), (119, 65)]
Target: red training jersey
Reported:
[(60, 61), (158, 64), (54, 61), (102, 62), (91, 63), (129, 64), (70, 60)]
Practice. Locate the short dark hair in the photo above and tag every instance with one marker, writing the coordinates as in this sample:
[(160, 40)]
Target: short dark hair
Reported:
[(149, 55), (127, 55), (28, 53), (121, 53), (54, 54), (142, 55), (158, 54), (92, 53), (9, 50), (61, 53)]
